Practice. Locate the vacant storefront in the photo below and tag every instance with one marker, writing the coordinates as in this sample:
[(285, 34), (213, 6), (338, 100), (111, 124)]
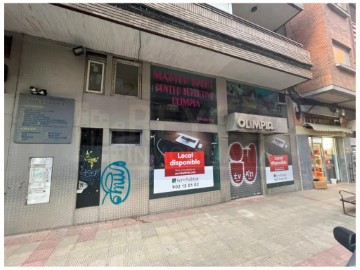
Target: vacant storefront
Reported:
[(259, 151)]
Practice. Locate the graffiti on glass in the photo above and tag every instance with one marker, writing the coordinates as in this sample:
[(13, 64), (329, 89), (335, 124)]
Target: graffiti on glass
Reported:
[(242, 165), (115, 182)]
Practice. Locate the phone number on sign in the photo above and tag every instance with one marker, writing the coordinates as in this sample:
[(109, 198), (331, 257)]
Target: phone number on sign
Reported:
[(184, 186)]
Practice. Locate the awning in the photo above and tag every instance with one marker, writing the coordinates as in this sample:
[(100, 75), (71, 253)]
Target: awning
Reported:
[(328, 128)]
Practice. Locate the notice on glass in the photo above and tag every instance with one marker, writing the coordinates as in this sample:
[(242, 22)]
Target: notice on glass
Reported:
[(182, 162), (44, 119), (278, 160), (39, 180)]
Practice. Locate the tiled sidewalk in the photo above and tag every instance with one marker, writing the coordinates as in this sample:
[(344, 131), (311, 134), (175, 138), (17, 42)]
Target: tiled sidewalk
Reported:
[(293, 229)]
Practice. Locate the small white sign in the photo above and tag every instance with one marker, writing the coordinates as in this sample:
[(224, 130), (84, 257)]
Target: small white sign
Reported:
[(39, 180)]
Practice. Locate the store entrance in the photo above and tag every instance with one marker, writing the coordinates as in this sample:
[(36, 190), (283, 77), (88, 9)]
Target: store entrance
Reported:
[(244, 165), (324, 158)]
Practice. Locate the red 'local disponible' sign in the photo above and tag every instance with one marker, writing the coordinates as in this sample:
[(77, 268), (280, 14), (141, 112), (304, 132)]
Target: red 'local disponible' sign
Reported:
[(278, 163), (184, 163)]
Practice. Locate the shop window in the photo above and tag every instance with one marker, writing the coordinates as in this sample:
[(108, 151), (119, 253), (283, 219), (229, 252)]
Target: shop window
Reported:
[(183, 163), (126, 137), (249, 99), (182, 96), (95, 76), (341, 54), (126, 78)]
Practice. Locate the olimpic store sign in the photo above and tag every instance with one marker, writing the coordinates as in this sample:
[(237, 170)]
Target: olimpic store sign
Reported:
[(255, 123)]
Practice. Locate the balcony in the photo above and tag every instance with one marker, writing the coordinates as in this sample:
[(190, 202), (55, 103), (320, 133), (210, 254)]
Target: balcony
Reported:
[(192, 37), (269, 15)]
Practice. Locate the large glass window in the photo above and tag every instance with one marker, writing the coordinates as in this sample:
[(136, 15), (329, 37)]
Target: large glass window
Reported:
[(182, 97), (250, 99), (126, 78), (183, 163)]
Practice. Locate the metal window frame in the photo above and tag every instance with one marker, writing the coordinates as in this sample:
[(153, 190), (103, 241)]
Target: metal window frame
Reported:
[(103, 63), (129, 63), (126, 130)]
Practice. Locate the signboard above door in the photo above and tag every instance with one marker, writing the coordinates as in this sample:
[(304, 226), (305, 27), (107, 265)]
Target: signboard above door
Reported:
[(242, 122)]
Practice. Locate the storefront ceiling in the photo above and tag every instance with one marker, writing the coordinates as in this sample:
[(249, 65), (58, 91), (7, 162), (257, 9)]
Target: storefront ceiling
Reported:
[(63, 25), (334, 95)]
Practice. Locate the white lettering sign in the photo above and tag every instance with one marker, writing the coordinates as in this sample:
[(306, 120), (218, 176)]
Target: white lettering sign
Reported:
[(255, 124)]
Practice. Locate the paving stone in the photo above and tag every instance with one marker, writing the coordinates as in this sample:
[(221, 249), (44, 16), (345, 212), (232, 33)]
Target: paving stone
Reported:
[(117, 261), (9, 250), (21, 254), (147, 230), (57, 260)]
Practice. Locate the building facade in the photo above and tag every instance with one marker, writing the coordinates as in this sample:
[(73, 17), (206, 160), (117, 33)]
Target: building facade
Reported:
[(325, 105), (121, 110)]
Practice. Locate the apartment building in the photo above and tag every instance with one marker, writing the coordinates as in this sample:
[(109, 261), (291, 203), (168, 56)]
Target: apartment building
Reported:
[(325, 105), (121, 110)]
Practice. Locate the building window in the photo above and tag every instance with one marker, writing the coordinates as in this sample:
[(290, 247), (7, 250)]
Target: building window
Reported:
[(343, 6), (340, 9), (341, 54), (353, 13), (126, 78), (95, 76), (126, 137)]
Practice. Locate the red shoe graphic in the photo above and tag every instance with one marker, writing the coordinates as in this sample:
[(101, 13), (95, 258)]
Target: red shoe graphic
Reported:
[(236, 166), (250, 166)]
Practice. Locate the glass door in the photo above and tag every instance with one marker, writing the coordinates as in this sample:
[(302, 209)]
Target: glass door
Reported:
[(324, 158), (330, 159)]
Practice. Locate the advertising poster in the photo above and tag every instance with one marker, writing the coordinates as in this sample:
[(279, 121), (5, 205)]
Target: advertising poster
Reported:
[(278, 161), (182, 96), (183, 163), (88, 190)]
